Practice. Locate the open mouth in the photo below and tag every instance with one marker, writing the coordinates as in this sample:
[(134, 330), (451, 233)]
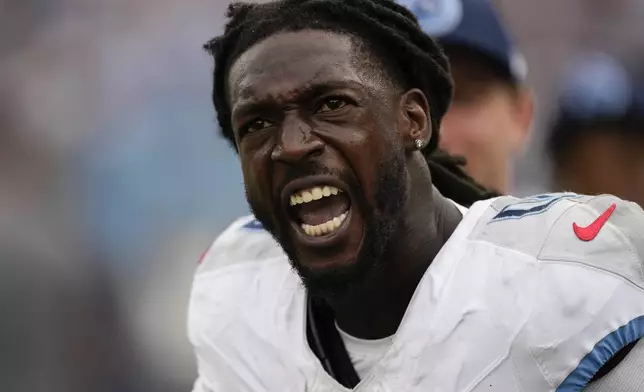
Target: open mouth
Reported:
[(321, 210)]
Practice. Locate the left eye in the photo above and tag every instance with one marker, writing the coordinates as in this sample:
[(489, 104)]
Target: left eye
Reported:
[(332, 104)]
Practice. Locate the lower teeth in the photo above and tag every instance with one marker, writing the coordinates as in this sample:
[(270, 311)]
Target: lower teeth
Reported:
[(324, 228)]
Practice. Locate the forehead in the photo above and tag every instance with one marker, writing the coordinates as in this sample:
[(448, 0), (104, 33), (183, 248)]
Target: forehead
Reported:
[(286, 62)]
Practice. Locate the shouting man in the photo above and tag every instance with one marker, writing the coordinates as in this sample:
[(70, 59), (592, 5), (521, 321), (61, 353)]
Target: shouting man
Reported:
[(362, 269)]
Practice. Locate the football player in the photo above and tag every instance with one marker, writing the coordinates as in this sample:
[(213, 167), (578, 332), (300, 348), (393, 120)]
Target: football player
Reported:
[(370, 264)]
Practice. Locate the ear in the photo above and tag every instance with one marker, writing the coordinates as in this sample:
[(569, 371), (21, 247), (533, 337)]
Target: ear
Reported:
[(414, 120), (523, 115)]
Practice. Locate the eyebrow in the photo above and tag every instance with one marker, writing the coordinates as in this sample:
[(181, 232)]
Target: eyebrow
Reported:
[(250, 106)]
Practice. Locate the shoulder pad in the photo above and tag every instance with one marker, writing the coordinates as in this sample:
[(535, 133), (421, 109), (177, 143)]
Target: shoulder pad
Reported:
[(567, 227), (243, 241), (522, 223)]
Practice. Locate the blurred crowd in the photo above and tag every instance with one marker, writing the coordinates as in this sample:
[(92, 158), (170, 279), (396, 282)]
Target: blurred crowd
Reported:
[(113, 179)]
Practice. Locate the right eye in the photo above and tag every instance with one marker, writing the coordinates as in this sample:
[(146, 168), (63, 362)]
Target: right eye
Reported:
[(332, 104), (257, 125)]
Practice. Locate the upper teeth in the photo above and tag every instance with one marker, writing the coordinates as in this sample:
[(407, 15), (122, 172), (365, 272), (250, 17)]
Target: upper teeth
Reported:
[(315, 193)]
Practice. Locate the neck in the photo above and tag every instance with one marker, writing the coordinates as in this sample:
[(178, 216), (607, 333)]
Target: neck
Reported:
[(375, 309), (498, 180)]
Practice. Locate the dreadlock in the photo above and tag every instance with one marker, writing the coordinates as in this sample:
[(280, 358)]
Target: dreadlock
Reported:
[(392, 34)]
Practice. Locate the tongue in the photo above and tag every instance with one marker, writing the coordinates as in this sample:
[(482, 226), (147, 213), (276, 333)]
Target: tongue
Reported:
[(323, 210)]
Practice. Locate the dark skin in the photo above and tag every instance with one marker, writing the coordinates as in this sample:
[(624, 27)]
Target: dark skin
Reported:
[(303, 103), (604, 161)]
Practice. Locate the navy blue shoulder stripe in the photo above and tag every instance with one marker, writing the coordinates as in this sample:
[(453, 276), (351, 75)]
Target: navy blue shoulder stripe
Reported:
[(253, 225)]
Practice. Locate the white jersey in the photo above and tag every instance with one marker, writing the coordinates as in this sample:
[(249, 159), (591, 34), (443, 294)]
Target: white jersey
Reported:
[(516, 300)]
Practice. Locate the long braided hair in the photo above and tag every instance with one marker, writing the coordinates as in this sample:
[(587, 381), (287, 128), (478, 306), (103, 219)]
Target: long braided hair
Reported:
[(411, 58)]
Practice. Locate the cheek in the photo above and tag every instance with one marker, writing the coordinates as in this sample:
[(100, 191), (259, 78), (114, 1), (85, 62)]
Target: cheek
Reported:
[(363, 150), (463, 131), (257, 180), (473, 131)]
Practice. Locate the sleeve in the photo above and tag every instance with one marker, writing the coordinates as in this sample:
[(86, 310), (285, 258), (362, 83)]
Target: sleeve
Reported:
[(244, 240), (626, 376), (217, 288), (611, 244)]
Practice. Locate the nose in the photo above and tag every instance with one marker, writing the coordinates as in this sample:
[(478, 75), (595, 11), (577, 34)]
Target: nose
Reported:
[(296, 141)]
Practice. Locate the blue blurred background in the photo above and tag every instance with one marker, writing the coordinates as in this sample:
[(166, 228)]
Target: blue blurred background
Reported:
[(113, 179)]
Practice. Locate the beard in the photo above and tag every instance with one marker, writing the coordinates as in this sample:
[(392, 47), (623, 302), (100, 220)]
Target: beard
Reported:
[(381, 218)]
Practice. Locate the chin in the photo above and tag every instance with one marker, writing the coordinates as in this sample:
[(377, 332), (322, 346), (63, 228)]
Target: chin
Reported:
[(333, 275), (330, 265)]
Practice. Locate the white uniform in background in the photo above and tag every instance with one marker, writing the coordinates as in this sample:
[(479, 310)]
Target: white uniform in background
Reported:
[(519, 299)]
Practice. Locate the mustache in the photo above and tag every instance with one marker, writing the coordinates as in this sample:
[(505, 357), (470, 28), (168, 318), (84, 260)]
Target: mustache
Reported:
[(311, 169)]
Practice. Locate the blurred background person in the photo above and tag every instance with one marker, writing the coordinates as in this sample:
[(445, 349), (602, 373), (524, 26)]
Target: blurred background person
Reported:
[(103, 191), (491, 114), (597, 136), (61, 329)]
